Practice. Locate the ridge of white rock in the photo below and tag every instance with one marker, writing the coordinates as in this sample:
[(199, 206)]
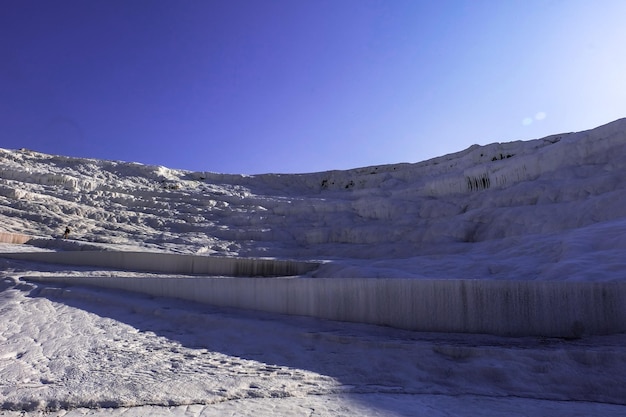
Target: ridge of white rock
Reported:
[(533, 201)]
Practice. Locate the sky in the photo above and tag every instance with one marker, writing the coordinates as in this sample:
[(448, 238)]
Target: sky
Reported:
[(294, 86)]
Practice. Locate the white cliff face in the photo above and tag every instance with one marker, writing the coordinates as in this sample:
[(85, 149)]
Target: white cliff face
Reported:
[(524, 210)]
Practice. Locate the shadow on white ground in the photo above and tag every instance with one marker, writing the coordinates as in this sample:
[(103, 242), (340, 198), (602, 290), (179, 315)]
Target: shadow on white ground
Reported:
[(90, 351)]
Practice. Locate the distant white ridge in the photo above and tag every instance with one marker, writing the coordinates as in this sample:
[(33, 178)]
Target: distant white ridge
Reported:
[(539, 209)]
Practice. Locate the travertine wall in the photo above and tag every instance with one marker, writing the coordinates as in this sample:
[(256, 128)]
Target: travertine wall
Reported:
[(172, 263), (14, 238), (512, 308), (502, 307)]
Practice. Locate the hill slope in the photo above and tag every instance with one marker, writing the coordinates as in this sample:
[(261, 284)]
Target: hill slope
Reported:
[(551, 208)]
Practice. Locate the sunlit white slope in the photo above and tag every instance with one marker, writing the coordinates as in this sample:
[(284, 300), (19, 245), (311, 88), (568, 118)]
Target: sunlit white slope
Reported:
[(551, 208)]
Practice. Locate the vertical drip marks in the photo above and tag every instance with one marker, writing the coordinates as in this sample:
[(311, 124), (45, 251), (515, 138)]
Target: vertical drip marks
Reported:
[(478, 183)]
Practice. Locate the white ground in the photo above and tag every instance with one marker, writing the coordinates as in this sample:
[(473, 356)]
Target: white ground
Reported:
[(554, 208), (83, 351)]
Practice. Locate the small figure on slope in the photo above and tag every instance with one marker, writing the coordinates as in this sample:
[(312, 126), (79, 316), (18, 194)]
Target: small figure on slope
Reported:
[(67, 233)]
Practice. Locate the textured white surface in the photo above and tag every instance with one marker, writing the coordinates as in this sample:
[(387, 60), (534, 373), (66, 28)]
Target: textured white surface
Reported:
[(513, 308), (548, 209), (553, 209), (64, 349)]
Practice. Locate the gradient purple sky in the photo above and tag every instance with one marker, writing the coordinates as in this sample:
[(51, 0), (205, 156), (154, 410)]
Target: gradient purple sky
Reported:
[(257, 86)]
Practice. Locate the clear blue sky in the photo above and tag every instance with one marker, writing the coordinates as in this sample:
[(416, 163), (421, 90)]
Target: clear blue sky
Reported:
[(257, 86)]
